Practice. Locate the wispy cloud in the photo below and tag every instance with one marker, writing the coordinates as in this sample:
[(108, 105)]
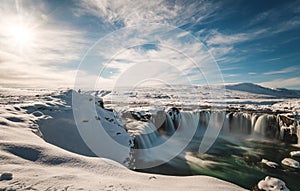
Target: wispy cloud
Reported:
[(175, 60), (279, 83), (217, 38), (42, 59), (59, 44), (283, 71), (264, 25), (128, 12), (272, 59), (221, 44)]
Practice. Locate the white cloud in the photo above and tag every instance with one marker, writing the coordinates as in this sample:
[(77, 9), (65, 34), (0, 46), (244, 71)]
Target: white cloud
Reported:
[(264, 25), (272, 59), (279, 83), (283, 71), (220, 51), (18, 74), (217, 38), (221, 45), (278, 19), (128, 12), (181, 59), (41, 60)]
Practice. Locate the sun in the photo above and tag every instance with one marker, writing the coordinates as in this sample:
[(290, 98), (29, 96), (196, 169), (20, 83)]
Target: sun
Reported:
[(21, 35)]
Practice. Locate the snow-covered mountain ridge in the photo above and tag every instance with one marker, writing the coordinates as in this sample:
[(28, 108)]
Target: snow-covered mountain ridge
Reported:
[(257, 89)]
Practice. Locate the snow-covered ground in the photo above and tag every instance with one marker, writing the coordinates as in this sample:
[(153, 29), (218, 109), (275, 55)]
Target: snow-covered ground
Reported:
[(243, 96), (29, 117), (38, 165)]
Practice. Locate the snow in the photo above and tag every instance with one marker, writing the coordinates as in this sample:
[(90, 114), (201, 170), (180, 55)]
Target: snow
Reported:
[(257, 89), (272, 184), (290, 163), (42, 148), (295, 154), (243, 96), (39, 165), (269, 163)]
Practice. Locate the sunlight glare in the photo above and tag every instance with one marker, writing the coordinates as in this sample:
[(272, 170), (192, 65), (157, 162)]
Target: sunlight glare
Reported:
[(21, 34)]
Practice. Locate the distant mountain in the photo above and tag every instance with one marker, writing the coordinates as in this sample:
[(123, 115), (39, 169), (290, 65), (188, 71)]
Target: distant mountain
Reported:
[(257, 89)]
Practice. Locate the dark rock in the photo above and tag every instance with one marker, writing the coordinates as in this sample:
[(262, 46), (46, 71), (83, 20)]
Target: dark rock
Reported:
[(6, 176)]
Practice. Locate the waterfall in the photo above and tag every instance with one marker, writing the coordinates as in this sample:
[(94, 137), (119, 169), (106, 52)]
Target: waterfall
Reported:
[(180, 126), (156, 144), (189, 120), (254, 118), (148, 135), (225, 128), (158, 118), (170, 127), (258, 125), (273, 129), (261, 125), (247, 123), (204, 117), (160, 135), (238, 123)]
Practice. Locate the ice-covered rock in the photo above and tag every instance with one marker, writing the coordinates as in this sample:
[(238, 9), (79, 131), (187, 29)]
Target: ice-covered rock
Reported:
[(295, 154), (269, 163), (290, 162), (270, 184)]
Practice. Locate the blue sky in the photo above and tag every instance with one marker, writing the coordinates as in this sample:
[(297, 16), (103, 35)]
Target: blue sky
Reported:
[(56, 42)]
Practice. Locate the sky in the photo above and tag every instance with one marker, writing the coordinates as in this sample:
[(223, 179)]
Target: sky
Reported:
[(100, 43)]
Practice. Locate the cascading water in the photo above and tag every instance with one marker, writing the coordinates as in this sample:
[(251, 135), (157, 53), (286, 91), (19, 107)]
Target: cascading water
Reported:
[(204, 117), (154, 131), (246, 123), (254, 118), (169, 126), (156, 128), (260, 126), (238, 123)]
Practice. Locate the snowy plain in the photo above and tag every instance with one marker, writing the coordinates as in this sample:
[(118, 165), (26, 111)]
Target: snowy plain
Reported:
[(30, 118)]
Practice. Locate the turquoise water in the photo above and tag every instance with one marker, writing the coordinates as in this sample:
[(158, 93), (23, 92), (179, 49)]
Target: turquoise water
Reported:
[(237, 162)]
